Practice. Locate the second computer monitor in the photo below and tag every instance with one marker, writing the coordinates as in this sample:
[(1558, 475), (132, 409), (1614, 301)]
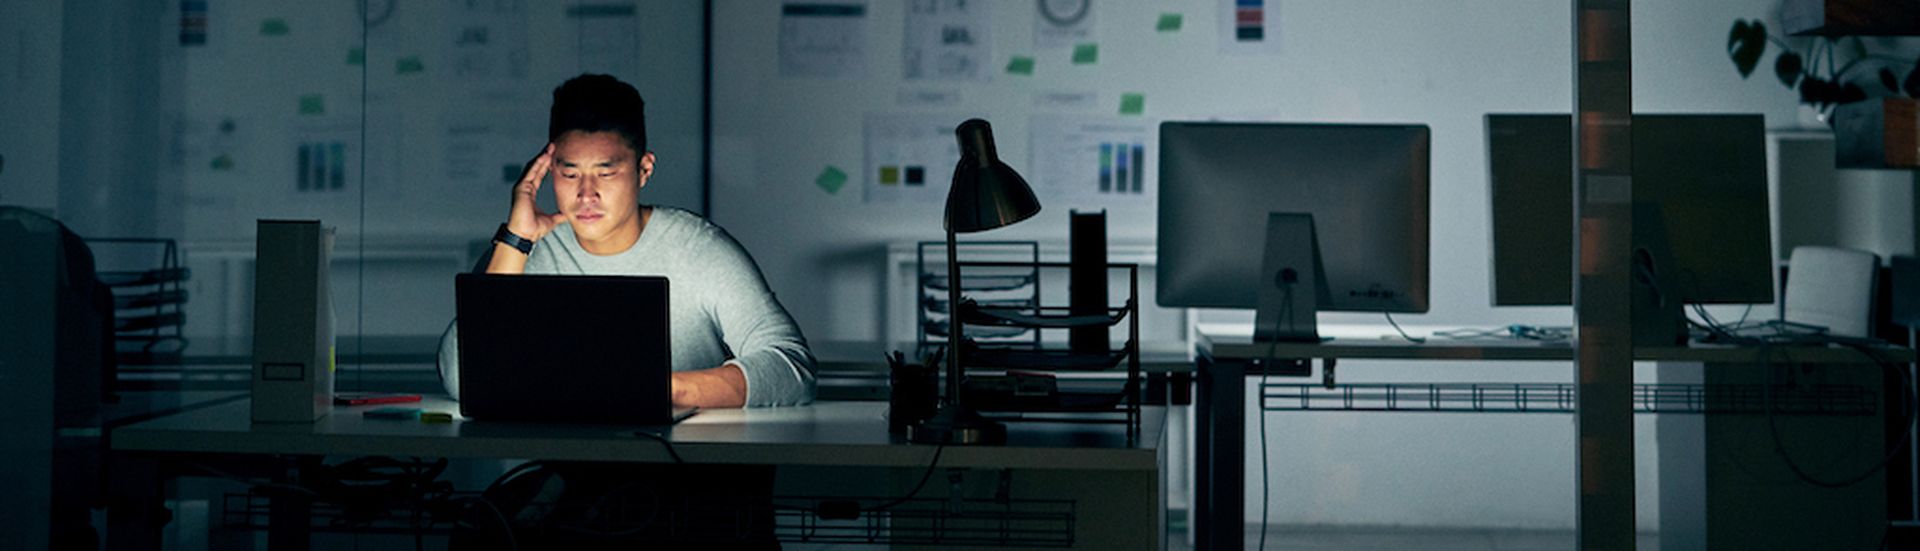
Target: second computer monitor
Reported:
[(1705, 175), (1365, 185)]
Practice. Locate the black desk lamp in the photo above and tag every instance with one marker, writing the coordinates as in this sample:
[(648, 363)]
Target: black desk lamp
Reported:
[(986, 194)]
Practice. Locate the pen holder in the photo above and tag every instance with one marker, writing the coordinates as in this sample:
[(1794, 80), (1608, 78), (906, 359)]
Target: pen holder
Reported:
[(914, 393)]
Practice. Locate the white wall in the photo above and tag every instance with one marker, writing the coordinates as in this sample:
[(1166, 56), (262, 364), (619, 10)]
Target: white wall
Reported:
[(1445, 64), (30, 82)]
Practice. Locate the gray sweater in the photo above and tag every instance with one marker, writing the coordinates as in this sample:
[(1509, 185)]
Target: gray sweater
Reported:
[(721, 308)]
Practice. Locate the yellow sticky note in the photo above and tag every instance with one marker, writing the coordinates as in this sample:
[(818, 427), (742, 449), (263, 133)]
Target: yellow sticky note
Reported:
[(889, 175)]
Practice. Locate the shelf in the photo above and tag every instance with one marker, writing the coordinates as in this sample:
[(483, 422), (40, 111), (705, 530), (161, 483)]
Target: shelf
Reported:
[(1051, 317), (1064, 402), (938, 328), (145, 277), (980, 282), (1045, 359), (939, 305)]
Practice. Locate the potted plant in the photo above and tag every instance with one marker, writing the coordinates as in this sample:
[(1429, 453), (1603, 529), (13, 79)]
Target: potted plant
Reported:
[(1865, 93)]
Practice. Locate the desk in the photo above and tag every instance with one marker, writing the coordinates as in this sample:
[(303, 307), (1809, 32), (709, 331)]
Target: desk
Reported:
[(1220, 408), (1129, 513)]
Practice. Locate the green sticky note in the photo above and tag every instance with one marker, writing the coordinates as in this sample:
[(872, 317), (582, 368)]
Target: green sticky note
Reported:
[(1086, 53), (831, 179), (408, 65), (1169, 22), (313, 104), (356, 56), (1020, 65), (223, 163), (274, 27), (1133, 103)]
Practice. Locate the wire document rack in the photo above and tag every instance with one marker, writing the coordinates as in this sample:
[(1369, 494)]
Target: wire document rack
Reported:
[(1561, 398)]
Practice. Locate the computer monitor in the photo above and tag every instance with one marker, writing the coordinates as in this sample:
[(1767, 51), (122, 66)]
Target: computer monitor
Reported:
[(1365, 185), (1705, 174)]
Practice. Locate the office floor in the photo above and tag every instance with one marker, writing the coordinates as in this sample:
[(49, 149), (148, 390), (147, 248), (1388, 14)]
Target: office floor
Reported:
[(1327, 538), (1332, 538)]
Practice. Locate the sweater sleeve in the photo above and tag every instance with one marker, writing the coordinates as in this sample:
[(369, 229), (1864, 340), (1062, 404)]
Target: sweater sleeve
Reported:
[(449, 363), (766, 343)]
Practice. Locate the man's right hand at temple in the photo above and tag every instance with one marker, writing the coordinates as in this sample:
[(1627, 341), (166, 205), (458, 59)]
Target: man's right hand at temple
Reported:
[(524, 218)]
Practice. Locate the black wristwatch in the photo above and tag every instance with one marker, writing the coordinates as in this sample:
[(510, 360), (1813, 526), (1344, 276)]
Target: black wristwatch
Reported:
[(522, 244)]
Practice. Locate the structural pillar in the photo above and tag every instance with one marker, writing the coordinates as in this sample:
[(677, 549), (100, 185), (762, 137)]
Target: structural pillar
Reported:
[(1603, 284)]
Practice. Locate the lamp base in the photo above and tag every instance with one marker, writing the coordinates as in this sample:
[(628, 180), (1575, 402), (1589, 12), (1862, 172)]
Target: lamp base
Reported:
[(957, 425)]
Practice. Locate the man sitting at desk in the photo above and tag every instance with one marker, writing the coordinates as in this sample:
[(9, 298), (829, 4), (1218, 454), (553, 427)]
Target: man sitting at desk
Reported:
[(733, 344)]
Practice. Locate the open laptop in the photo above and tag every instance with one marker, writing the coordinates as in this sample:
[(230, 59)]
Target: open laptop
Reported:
[(565, 349)]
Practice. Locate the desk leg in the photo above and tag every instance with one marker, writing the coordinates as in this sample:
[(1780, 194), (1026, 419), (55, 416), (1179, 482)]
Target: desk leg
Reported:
[(1219, 507), (136, 507), (290, 514)]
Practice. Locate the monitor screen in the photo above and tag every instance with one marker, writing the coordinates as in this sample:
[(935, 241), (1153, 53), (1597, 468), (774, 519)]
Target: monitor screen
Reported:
[(1365, 185), (1705, 174)]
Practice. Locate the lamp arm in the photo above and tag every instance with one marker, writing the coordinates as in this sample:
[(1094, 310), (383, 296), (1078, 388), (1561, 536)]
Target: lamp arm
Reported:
[(954, 336)]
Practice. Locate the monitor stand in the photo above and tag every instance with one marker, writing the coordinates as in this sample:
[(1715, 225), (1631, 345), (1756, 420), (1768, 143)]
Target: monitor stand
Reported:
[(1293, 284)]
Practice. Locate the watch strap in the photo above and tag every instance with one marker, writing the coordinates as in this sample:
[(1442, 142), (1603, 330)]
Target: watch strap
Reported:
[(522, 244)]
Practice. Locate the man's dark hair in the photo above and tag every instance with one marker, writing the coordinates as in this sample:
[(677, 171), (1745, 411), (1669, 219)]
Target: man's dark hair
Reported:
[(599, 103)]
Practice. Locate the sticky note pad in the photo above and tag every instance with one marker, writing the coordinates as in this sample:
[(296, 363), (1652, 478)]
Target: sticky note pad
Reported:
[(1133, 103), (1086, 53), (1169, 22), (889, 175), (831, 180), (1020, 65), (408, 65), (356, 56), (274, 27), (313, 104)]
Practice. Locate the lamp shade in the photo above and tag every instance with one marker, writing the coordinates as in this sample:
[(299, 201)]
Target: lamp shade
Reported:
[(986, 193)]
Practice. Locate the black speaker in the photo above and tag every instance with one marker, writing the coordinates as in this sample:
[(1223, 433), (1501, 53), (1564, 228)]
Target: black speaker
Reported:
[(1087, 279)]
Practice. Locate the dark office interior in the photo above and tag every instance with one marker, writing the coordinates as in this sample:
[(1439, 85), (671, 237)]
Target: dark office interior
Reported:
[(950, 274)]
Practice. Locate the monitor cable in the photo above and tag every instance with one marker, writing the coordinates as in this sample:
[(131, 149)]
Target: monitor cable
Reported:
[(1260, 408), (662, 439), (1402, 332), (1787, 334)]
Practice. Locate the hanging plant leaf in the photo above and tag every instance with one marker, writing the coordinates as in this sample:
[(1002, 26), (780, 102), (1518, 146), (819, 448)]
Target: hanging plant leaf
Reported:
[(1787, 67), (1912, 84), (1888, 80), (1745, 43), (1816, 91)]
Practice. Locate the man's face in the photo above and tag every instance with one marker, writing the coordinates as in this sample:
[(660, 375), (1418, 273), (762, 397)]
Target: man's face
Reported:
[(596, 181)]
